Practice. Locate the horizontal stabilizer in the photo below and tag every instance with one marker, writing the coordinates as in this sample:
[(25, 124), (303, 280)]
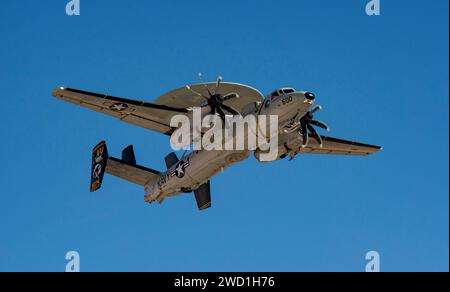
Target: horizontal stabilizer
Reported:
[(131, 172)]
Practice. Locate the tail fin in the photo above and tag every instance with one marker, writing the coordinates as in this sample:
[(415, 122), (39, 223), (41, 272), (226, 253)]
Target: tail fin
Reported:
[(99, 160), (128, 155), (203, 196), (171, 159), (126, 168)]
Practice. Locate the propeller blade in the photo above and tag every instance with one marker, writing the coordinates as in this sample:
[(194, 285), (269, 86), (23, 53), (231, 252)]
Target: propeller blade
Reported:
[(196, 92), (221, 114), (230, 109), (291, 156), (315, 134), (320, 124), (305, 135), (230, 96), (316, 108)]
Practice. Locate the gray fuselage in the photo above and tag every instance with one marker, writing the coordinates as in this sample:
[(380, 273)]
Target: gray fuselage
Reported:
[(199, 166)]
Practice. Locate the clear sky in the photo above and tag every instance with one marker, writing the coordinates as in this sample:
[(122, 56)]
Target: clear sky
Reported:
[(381, 80)]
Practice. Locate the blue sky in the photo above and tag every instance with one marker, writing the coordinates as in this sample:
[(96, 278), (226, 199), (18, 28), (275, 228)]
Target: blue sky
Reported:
[(381, 80)]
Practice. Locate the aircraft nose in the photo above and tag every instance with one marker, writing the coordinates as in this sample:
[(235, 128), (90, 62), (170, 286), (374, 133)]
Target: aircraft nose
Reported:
[(310, 96)]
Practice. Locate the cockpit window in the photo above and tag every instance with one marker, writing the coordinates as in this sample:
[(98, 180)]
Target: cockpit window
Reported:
[(274, 94), (280, 92)]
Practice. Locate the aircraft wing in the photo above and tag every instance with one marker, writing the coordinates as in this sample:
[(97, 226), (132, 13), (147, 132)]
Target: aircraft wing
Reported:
[(156, 116), (151, 116), (339, 147)]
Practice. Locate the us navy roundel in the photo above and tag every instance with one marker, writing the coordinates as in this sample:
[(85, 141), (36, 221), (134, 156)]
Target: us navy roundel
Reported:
[(180, 168), (118, 106)]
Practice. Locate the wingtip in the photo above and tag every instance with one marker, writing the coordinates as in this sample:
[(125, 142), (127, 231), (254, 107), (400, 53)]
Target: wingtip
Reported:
[(378, 149), (57, 91)]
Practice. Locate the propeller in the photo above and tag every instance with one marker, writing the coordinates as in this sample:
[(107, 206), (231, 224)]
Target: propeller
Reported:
[(214, 99), (306, 125)]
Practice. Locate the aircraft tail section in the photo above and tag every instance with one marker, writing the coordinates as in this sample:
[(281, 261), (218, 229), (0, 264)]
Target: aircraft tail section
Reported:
[(98, 166), (125, 168), (203, 196), (171, 159)]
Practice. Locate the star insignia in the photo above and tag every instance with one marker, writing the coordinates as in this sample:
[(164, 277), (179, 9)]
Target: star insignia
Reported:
[(180, 170), (118, 106)]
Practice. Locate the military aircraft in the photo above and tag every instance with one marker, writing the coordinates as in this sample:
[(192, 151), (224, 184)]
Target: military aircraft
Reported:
[(192, 172)]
